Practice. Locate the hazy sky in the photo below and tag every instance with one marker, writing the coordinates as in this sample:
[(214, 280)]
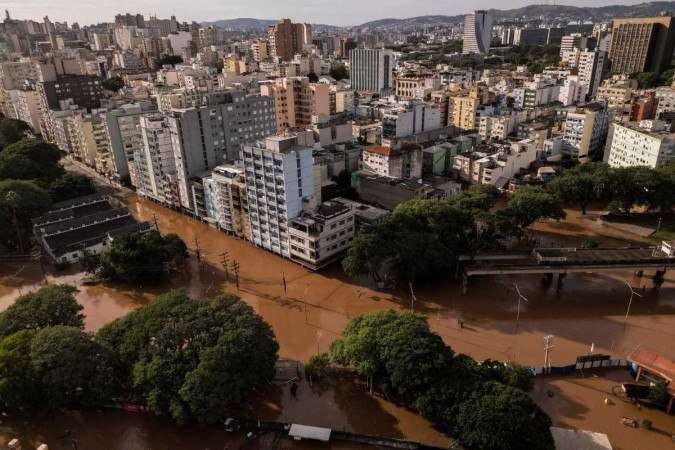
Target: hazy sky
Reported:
[(334, 12)]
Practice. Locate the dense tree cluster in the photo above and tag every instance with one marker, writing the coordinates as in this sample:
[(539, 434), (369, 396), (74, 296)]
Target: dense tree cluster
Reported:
[(11, 131), (139, 257), (422, 238), (621, 188), (31, 179), (482, 404), (191, 359), (113, 84), (339, 71), (46, 359)]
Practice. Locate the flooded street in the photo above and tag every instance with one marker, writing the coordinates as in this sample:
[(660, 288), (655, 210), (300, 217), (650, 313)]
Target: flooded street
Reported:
[(589, 310)]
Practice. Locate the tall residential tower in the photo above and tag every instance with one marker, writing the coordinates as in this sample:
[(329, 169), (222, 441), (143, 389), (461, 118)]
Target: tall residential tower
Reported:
[(477, 33)]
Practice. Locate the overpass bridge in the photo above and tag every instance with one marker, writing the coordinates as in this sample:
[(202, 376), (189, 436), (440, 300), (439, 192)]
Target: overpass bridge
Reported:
[(561, 261)]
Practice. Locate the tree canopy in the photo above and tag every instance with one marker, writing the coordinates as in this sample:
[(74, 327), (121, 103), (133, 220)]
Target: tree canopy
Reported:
[(192, 358), (499, 417), (71, 186), (29, 159), (11, 131), (339, 71), (529, 204), (51, 305), (141, 257), (417, 242), (20, 201), (113, 84), (71, 367), (406, 361), (621, 187)]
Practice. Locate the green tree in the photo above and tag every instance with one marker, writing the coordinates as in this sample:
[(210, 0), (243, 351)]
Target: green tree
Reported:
[(529, 204), (113, 84), (478, 197), (20, 201), (49, 306), (142, 257), (339, 71), (192, 358), (170, 60), (577, 189), (313, 78), (18, 387), (11, 131), (396, 351), (29, 159), (317, 367), (499, 417), (241, 361), (666, 77), (71, 186), (72, 368), (418, 242), (645, 80)]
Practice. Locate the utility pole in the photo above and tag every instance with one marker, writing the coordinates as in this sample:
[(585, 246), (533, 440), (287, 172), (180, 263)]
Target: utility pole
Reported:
[(283, 280), (548, 345), (520, 297), (224, 260), (235, 269), (412, 297), (630, 302)]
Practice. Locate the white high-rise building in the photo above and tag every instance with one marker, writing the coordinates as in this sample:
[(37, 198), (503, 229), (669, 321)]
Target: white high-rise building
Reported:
[(213, 132), (648, 143), (279, 183), (477, 33), (371, 69), (155, 162), (585, 130)]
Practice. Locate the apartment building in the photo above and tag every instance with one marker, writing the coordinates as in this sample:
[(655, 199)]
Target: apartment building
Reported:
[(125, 141), (402, 162), (371, 69), (585, 130), (495, 163), (464, 109), (646, 143), (155, 163), (496, 127), (279, 184), (293, 101), (641, 45), (227, 200), (206, 136), (416, 86), (617, 91), (318, 237), (287, 38), (409, 119), (665, 97)]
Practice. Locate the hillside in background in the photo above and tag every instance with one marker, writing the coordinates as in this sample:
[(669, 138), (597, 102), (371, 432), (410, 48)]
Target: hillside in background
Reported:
[(531, 12)]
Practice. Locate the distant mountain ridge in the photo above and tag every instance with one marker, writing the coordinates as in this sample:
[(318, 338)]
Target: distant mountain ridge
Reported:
[(547, 12)]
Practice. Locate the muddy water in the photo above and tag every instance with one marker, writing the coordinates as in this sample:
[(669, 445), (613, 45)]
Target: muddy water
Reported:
[(314, 308)]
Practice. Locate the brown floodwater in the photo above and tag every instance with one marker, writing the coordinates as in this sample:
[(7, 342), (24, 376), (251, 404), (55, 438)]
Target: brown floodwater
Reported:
[(311, 313)]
